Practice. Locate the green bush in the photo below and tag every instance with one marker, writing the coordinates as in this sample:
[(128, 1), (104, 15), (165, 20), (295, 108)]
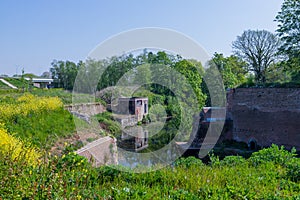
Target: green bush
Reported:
[(72, 177), (73, 147), (233, 161), (293, 169), (111, 126), (188, 162), (214, 159), (71, 161), (273, 154)]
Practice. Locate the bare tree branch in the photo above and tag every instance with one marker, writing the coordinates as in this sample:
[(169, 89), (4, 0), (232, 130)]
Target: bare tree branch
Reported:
[(258, 49)]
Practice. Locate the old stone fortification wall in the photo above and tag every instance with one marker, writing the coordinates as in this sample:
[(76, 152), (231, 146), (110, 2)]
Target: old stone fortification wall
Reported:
[(265, 115), (88, 109), (101, 152)]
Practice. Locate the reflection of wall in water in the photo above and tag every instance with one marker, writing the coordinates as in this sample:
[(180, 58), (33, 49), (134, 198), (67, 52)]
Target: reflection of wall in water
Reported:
[(134, 139)]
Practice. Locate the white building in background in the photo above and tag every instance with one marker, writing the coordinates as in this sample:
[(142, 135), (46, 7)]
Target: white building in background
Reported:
[(41, 82)]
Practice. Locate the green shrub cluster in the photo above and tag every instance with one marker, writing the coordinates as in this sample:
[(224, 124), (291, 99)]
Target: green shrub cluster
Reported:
[(109, 125)]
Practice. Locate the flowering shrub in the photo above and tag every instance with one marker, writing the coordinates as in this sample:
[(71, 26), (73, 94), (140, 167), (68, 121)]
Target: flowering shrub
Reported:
[(16, 149), (72, 160), (27, 104), (15, 111), (40, 119)]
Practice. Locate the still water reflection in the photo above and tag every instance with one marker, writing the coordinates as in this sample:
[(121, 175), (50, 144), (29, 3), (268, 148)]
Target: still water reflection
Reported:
[(133, 148)]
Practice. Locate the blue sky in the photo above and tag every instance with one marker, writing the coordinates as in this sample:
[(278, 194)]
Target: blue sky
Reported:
[(34, 33)]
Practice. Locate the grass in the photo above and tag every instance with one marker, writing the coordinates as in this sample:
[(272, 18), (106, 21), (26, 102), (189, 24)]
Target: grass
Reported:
[(17, 82), (44, 128), (272, 173), (40, 120), (292, 84), (65, 96), (72, 177), (3, 86)]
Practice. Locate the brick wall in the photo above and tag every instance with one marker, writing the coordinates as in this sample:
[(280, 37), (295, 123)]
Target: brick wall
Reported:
[(86, 108), (265, 115)]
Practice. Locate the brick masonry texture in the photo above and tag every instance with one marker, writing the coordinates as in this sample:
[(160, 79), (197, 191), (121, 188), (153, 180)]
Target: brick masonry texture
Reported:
[(265, 115)]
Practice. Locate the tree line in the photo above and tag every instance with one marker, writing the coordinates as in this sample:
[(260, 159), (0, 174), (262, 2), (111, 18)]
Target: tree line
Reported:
[(273, 57), (259, 57)]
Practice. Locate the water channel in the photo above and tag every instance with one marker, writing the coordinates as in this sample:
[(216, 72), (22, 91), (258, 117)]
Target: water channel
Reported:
[(138, 146)]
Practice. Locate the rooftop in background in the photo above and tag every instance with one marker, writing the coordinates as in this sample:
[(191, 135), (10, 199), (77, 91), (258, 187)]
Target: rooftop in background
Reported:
[(132, 98), (40, 80)]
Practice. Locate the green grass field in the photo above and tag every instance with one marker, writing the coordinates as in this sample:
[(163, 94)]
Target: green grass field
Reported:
[(65, 96), (17, 82), (269, 174), (3, 86)]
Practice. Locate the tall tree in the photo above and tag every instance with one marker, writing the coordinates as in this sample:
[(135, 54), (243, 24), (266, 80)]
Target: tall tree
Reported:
[(231, 68), (64, 74), (289, 27), (259, 49), (89, 75), (289, 31), (189, 69)]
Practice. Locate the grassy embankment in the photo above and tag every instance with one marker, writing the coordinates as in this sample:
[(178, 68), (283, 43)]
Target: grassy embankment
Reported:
[(65, 96), (41, 120), (26, 172), (269, 174)]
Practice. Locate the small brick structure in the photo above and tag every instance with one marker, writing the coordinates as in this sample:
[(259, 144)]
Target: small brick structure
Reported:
[(130, 111), (137, 106)]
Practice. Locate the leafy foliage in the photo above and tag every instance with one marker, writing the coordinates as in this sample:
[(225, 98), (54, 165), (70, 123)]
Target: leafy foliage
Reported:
[(289, 27), (232, 69), (107, 122), (72, 177), (64, 73), (188, 162), (233, 161), (274, 153), (289, 32), (145, 68)]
